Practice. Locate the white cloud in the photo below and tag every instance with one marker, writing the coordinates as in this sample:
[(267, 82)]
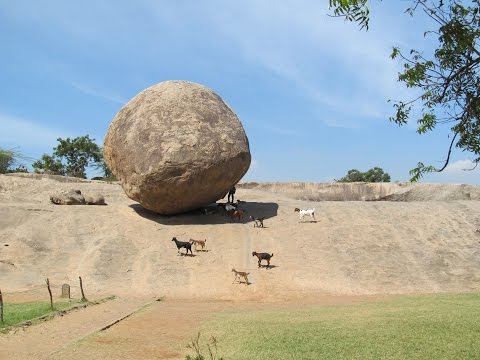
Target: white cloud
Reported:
[(459, 167), (16, 131), (334, 64), (266, 127), (96, 93), (338, 67), (456, 172), (31, 139)]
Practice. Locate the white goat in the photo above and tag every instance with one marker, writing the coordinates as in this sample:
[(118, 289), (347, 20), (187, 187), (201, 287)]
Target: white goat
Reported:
[(303, 213), (229, 207)]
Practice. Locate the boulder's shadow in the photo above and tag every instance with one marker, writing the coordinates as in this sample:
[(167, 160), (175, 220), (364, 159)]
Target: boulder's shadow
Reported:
[(198, 217)]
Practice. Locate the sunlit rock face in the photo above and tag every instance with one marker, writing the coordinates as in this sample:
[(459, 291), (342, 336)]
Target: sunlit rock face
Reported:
[(176, 146)]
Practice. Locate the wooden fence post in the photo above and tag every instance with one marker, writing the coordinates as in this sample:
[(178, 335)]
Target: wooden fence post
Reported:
[(50, 292), (84, 299), (1, 306)]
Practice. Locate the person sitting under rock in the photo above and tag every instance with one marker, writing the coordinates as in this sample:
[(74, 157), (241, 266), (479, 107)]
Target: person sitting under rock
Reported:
[(231, 193)]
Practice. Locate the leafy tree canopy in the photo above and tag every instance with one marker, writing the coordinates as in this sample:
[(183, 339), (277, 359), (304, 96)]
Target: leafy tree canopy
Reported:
[(71, 157), (448, 81), (49, 165), (6, 160), (79, 153), (352, 10), (375, 174), (102, 165), (10, 161)]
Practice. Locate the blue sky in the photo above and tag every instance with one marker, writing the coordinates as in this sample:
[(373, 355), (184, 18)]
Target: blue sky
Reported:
[(310, 90)]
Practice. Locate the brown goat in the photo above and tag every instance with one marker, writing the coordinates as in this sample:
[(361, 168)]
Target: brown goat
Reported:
[(263, 256), (197, 243), (236, 214), (239, 275)]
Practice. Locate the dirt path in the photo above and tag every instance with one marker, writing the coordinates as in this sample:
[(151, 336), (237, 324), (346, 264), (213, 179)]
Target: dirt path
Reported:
[(163, 329), (159, 330), (42, 340)]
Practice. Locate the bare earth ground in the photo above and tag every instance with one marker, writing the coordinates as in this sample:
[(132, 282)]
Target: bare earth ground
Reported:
[(355, 251), (154, 330)]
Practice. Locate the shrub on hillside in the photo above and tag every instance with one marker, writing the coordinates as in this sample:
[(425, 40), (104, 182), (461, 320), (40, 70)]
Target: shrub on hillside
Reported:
[(375, 174)]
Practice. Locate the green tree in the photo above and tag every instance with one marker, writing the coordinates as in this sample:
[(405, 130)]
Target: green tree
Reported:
[(49, 165), (102, 165), (352, 10), (353, 175), (448, 81), (375, 174), (79, 153), (18, 169), (7, 159), (10, 161)]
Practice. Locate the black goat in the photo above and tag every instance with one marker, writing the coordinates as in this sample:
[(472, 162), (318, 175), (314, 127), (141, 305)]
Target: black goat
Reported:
[(183, 244), (262, 256)]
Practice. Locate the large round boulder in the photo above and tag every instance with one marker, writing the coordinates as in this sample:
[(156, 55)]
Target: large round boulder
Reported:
[(176, 146)]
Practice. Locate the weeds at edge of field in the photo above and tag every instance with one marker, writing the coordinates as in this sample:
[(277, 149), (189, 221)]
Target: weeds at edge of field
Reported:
[(62, 308), (211, 346)]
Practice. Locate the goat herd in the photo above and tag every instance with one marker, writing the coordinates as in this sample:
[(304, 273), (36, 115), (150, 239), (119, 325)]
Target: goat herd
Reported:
[(235, 212)]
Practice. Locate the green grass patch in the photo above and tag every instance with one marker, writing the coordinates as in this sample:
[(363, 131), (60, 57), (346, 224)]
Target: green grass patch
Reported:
[(17, 313), (408, 327)]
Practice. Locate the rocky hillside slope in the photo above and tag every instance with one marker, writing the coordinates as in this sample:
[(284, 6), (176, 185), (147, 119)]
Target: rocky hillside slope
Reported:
[(355, 247)]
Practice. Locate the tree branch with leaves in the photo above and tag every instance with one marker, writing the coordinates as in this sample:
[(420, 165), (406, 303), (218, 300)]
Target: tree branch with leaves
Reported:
[(72, 157), (448, 81), (10, 161)]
